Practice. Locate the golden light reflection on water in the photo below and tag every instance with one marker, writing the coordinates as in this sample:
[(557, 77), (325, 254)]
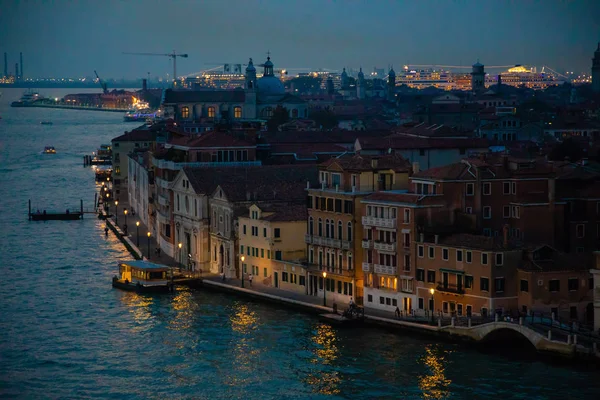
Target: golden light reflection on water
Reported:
[(434, 384), (326, 351), (243, 320), (185, 311), (139, 307), (245, 353)]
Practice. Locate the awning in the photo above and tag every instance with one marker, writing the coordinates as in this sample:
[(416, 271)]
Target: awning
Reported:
[(452, 271)]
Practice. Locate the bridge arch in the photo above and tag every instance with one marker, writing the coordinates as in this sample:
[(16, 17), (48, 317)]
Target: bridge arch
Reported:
[(509, 333)]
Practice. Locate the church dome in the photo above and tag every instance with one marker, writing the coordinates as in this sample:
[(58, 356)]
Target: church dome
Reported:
[(270, 85), (250, 67)]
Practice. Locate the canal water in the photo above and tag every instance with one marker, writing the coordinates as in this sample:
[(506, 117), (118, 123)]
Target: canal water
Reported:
[(65, 333)]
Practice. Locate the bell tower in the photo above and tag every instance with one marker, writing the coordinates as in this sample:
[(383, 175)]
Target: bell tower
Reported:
[(477, 77)]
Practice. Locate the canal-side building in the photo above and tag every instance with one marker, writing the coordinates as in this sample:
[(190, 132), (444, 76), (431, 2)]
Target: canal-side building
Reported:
[(141, 138), (268, 234), (552, 282), (390, 224), (334, 234), (140, 185), (470, 274)]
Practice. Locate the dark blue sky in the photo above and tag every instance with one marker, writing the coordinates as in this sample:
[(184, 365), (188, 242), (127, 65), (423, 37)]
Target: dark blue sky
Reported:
[(73, 38)]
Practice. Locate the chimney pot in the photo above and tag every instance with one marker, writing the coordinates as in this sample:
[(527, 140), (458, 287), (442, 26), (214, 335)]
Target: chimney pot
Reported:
[(436, 239)]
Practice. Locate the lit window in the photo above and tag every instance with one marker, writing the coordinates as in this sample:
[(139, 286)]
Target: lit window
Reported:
[(185, 112), (211, 112), (237, 112)]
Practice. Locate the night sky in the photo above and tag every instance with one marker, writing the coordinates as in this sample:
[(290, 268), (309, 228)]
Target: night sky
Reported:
[(74, 38)]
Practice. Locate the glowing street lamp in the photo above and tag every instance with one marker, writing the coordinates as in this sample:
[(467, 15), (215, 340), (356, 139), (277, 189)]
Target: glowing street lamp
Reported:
[(324, 289), (117, 212), (242, 258), (137, 233), (432, 291), (180, 255), (125, 227), (148, 245)]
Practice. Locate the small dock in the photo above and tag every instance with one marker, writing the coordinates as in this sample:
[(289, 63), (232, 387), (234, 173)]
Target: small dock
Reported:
[(67, 215)]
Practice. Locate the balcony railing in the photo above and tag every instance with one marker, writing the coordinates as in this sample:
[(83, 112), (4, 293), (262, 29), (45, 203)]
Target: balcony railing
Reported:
[(330, 270), (450, 288), (346, 245), (308, 239), (367, 267), (389, 247), (379, 222), (328, 242), (385, 269), (174, 166), (366, 244)]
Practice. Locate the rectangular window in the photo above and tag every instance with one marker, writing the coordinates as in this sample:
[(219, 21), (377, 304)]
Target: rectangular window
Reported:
[(484, 259), (573, 284), (406, 216), (524, 285), (554, 285), (469, 256), (430, 276), (499, 259), (445, 253), (487, 212), (370, 298), (244, 229), (336, 180), (506, 211), (499, 285), (421, 251), (506, 187), (468, 282), (468, 210), (420, 275), (242, 249), (431, 252), (302, 280), (580, 230), (484, 284), (487, 188), (514, 187), (421, 303), (381, 300), (278, 254), (309, 202), (262, 253), (516, 212), (470, 189), (277, 233), (264, 232), (445, 307), (459, 255), (338, 205)]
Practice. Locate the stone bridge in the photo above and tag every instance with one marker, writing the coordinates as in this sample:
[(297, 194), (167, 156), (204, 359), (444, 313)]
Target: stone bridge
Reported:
[(507, 330)]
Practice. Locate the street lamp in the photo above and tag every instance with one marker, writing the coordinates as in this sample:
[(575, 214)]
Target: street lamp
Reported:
[(180, 255), (148, 245), (117, 212), (125, 227), (137, 233), (324, 289), (242, 258), (432, 291)]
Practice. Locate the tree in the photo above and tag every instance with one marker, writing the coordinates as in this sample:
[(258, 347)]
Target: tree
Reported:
[(567, 148), (280, 116), (326, 119)]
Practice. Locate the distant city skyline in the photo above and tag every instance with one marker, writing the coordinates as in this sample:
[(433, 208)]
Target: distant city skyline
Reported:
[(61, 39)]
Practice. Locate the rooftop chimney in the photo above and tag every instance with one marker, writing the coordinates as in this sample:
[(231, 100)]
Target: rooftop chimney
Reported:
[(436, 239)]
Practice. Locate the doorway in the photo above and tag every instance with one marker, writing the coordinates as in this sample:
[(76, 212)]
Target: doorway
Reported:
[(276, 278)]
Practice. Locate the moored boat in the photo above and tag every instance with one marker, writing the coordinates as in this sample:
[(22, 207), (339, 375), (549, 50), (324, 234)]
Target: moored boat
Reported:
[(143, 277), (46, 123), (49, 150)]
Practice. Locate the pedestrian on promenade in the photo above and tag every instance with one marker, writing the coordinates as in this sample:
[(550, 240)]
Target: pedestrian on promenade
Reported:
[(397, 312), (250, 279)]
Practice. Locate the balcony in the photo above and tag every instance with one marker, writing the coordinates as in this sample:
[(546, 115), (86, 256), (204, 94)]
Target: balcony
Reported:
[(450, 288), (175, 166), (385, 269), (367, 244), (389, 223), (330, 271), (389, 247), (162, 183), (367, 267), (162, 200), (327, 242), (346, 245), (308, 239)]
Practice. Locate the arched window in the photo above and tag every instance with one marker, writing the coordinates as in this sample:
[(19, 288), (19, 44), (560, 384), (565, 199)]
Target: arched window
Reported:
[(340, 228), (310, 225), (320, 227), (211, 112), (326, 228), (185, 112), (177, 202), (267, 112), (237, 112), (187, 204), (295, 113), (349, 232)]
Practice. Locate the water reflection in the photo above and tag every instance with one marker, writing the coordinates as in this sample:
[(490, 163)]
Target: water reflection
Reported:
[(243, 320), (139, 308), (185, 308), (434, 384), (324, 380), (245, 351)]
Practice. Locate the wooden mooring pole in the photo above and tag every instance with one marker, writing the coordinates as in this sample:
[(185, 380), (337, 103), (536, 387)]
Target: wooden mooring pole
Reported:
[(81, 207), (29, 215)]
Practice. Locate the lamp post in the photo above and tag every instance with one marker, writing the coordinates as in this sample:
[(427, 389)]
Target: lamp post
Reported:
[(106, 203), (242, 258), (125, 226), (117, 212), (432, 291), (137, 233), (148, 245), (180, 256), (324, 289)]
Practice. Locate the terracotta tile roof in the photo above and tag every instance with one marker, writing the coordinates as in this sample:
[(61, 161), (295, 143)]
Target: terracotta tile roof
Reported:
[(547, 259), (469, 241), (395, 197), (203, 96), (210, 139), (357, 162), (336, 136), (287, 213), (307, 150), (456, 171), (137, 135), (398, 142), (430, 131)]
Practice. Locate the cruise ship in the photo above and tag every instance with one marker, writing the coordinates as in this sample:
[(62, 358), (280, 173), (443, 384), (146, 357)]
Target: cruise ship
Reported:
[(28, 98), (523, 76)]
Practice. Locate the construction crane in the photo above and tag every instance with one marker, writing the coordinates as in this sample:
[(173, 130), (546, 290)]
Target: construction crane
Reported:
[(172, 55), (102, 83)]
